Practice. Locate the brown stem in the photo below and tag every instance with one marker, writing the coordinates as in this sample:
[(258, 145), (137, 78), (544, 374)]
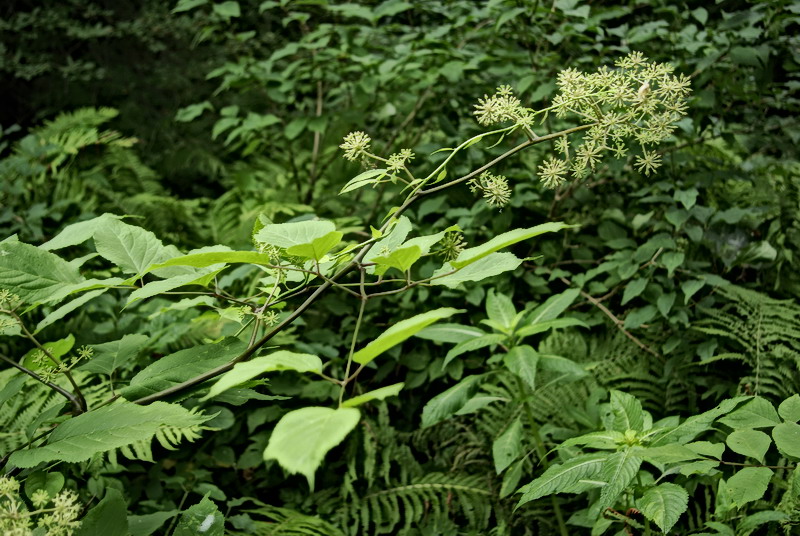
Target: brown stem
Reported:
[(60, 390)]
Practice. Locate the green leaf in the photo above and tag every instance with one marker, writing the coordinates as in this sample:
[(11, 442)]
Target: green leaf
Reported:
[(131, 248), (67, 308), (445, 404), (673, 453), (523, 361), (637, 317), (77, 233), (286, 235), (52, 483), (706, 448), (227, 9), (569, 369), (547, 325), (181, 366), (487, 266), (401, 258), (400, 332), (553, 306), (618, 471), (690, 288), (302, 437), (34, 274), (789, 410), (117, 425), (664, 504), (665, 303), (318, 247), (748, 485), (110, 356), (627, 411), (559, 478), (109, 517), (758, 413), (749, 443), (471, 255), (57, 349), (246, 371), (470, 345), (787, 438), (633, 289), (372, 176), (201, 518), (147, 524), (377, 394), (201, 260), (186, 5), (687, 198), (697, 424), (671, 260), (508, 446), (171, 283), (500, 308), (451, 333)]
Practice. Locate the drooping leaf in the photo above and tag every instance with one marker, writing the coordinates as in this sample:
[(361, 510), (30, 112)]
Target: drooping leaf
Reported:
[(302, 437), (553, 307), (487, 266), (748, 485), (67, 308), (444, 405), (371, 176), (280, 360), (400, 332), (202, 260), (34, 274), (664, 504), (561, 477), (203, 518), (471, 255), (749, 442), (117, 425), (165, 285), (181, 366), (377, 394), (508, 446), (523, 361), (109, 517), (77, 233)]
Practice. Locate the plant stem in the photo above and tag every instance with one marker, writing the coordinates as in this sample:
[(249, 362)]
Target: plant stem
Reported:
[(361, 307), (60, 390)]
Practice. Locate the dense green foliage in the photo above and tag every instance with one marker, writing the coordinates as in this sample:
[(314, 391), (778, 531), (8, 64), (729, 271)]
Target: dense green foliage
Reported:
[(399, 267)]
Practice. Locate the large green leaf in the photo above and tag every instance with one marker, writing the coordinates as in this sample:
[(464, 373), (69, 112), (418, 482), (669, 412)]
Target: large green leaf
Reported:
[(109, 517), (34, 274), (107, 428), (618, 471), (523, 361), (111, 355), (201, 518), (67, 308), (500, 309), (471, 255), (789, 409), (559, 478), (302, 437), (787, 438), (131, 248), (486, 266), (749, 442), (377, 394), (663, 505), (553, 306), (758, 413), (452, 333), (445, 404), (318, 247), (627, 411), (181, 366), (508, 446), (470, 345), (401, 258), (749, 484), (78, 233), (697, 424), (281, 360), (286, 235), (400, 332), (201, 260)]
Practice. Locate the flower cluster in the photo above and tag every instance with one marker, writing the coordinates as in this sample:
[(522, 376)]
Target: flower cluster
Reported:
[(502, 106), (494, 188), (59, 519), (397, 161), (451, 245), (355, 145)]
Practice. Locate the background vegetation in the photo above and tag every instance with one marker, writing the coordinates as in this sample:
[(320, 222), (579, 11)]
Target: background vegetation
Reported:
[(676, 290)]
